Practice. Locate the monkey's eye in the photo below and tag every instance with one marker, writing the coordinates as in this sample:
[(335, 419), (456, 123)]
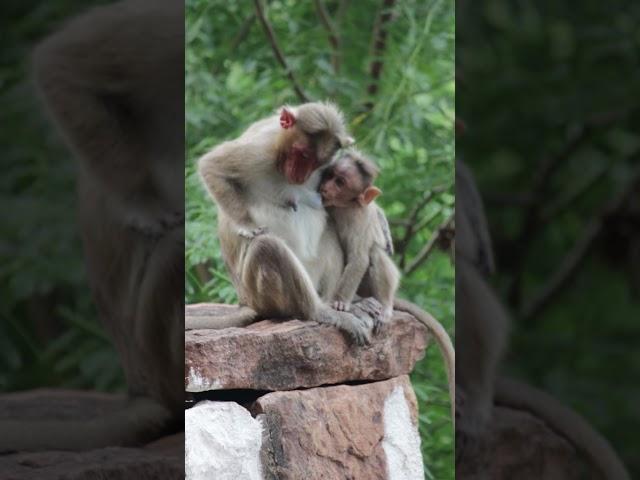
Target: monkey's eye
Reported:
[(339, 182)]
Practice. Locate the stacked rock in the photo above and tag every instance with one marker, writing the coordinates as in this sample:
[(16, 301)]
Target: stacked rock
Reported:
[(293, 400)]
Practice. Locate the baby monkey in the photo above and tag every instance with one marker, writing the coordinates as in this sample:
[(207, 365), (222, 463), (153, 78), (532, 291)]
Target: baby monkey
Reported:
[(348, 192)]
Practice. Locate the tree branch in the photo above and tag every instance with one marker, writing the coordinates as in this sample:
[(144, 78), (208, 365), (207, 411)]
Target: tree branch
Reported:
[(577, 254), (242, 34), (422, 256), (271, 36), (544, 172), (334, 38), (378, 46), (411, 223)]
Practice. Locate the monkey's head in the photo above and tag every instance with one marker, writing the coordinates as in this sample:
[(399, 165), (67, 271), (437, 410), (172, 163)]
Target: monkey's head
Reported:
[(349, 181), (312, 134)]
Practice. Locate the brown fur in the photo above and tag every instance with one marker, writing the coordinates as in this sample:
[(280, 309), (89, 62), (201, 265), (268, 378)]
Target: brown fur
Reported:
[(288, 270), (369, 269), (482, 334)]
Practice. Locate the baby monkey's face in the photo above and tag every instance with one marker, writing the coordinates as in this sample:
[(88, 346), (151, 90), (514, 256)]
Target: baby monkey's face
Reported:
[(342, 185)]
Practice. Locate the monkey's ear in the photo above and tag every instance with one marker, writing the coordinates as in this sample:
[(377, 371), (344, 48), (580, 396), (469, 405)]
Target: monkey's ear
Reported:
[(287, 118), (346, 142), (369, 195)]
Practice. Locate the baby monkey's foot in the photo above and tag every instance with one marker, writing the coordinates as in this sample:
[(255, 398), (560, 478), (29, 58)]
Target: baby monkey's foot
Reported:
[(341, 306), (250, 234)]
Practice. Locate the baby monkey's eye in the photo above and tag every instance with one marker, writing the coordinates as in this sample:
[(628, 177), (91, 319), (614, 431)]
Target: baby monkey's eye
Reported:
[(339, 182)]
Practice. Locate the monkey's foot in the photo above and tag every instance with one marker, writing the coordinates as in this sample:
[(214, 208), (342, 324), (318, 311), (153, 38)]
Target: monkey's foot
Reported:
[(341, 306), (358, 328), (371, 307), (250, 234), (368, 309)]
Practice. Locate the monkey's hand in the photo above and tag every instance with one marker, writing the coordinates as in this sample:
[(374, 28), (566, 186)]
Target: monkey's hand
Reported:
[(251, 233)]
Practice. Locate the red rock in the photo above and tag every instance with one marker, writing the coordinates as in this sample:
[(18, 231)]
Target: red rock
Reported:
[(286, 355), (342, 432)]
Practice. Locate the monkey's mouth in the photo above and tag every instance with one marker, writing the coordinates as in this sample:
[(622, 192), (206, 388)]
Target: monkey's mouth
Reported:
[(297, 171)]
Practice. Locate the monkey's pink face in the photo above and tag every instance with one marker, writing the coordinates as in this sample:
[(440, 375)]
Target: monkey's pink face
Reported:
[(339, 187), (299, 164)]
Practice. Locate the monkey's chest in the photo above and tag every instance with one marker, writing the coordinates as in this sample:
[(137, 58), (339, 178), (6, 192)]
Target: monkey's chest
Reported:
[(300, 228)]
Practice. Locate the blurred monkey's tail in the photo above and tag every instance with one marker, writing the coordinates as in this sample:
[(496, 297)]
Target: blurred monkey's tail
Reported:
[(137, 422), (564, 421), (442, 339)]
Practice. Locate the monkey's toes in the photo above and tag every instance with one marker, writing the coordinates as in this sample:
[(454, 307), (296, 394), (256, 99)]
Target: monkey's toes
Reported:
[(361, 336), (340, 306)]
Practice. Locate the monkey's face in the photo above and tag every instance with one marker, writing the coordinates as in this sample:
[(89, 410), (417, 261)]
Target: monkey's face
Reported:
[(341, 186), (326, 145), (299, 163)]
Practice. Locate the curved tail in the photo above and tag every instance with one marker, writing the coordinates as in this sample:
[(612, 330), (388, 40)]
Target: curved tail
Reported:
[(565, 422), (135, 423), (442, 339)]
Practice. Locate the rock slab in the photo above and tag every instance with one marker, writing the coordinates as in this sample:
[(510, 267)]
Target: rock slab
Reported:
[(288, 355), (522, 446), (104, 464), (367, 431), (222, 442)]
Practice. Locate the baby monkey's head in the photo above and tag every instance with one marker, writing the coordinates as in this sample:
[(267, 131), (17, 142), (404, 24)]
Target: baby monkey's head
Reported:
[(348, 181)]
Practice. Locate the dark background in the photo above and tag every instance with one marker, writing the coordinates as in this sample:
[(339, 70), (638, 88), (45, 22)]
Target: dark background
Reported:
[(49, 333), (550, 94)]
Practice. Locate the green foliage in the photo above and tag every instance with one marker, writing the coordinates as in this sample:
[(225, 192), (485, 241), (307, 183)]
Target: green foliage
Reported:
[(233, 78)]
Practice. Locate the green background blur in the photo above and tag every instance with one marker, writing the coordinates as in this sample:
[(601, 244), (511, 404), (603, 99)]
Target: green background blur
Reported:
[(233, 79)]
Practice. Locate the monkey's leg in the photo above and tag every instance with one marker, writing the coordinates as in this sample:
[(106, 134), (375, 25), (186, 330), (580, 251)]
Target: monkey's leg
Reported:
[(275, 283), (382, 282)]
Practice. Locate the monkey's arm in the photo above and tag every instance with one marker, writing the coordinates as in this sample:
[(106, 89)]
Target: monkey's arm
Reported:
[(221, 171), (386, 231), (94, 81)]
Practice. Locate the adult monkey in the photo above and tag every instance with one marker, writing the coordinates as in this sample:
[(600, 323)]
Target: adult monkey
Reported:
[(283, 256), (113, 82)]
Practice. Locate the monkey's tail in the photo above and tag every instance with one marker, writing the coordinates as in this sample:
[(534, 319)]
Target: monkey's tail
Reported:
[(565, 422), (242, 317), (444, 344), (137, 422)]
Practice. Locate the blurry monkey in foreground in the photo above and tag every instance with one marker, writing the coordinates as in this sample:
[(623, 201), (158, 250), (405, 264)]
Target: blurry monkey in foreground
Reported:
[(112, 80), (348, 192), (283, 256), (481, 338)]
